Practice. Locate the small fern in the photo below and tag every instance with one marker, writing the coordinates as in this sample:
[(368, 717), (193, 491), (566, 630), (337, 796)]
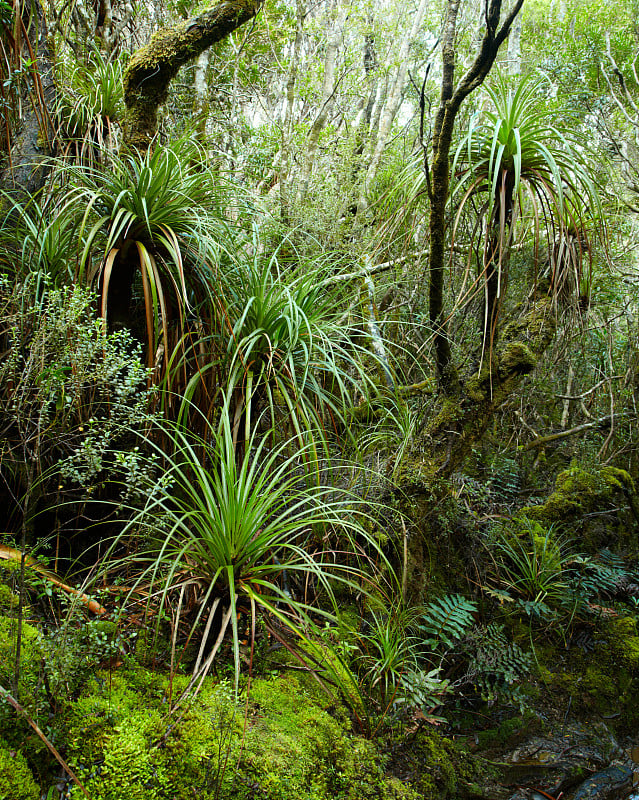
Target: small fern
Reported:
[(446, 620), (536, 609), (505, 481), (596, 578), (497, 664)]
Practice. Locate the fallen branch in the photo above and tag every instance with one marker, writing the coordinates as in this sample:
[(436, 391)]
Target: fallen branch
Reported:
[(5, 695), (543, 440), (12, 554), (589, 391), (373, 269)]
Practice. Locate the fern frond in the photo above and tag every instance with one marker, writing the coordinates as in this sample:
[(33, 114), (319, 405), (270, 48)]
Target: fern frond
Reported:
[(446, 620)]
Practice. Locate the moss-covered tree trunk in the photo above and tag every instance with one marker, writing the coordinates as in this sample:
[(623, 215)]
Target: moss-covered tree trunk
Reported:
[(153, 67)]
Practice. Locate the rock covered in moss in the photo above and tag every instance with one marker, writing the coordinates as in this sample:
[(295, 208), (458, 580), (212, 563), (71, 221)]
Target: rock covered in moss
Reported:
[(578, 492)]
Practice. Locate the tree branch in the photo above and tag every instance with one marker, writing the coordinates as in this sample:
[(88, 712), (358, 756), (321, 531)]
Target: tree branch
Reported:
[(553, 437), (153, 67)]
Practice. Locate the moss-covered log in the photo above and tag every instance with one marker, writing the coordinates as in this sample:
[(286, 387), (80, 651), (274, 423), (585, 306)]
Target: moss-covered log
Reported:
[(153, 67)]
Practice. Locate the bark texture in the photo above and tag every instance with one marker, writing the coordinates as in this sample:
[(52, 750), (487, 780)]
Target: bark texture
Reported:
[(463, 420), (153, 67)]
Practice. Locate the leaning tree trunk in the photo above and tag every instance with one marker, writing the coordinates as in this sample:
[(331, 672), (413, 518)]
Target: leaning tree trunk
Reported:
[(153, 67)]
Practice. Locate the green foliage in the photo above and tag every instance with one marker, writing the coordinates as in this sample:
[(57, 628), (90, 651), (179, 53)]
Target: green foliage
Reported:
[(393, 432), (90, 105), (531, 564), (72, 652), (70, 392), (283, 743), (531, 166), (155, 218), (30, 689), (497, 665), (6, 14), (518, 139), (505, 479), (390, 658), (228, 525), (41, 239), (16, 780), (285, 346), (446, 620)]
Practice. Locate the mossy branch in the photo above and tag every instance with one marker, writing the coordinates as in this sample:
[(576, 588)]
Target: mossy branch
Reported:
[(153, 67), (553, 437), (463, 420)]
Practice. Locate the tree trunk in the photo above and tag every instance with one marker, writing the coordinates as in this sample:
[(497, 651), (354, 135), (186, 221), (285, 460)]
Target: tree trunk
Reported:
[(30, 141), (328, 89), (201, 92), (514, 48), (153, 67), (287, 119), (393, 103), (451, 100), (496, 258)]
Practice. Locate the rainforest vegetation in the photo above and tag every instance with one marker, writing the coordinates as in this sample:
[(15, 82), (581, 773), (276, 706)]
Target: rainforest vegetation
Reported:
[(319, 364)]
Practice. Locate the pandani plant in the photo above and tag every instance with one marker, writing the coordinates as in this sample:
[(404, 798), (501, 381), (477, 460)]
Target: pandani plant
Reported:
[(228, 531), (526, 168)]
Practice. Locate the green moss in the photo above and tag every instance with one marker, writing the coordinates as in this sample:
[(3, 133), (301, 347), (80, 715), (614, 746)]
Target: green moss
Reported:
[(623, 641), (438, 766), (517, 358), (294, 749), (505, 731), (16, 780), (601, 682), (618, 478), (449, 414), (578, 492), (600, 685), (283, 745), (8, 599), (30, 684)]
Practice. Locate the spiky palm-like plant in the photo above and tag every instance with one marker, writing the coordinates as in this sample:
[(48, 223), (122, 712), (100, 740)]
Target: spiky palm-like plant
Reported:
[(525, 163), (90, 107), (285, 343), (156, 216), (227, 533)]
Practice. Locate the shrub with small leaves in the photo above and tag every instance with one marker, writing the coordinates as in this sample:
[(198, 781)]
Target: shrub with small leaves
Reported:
[(71, 395)]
